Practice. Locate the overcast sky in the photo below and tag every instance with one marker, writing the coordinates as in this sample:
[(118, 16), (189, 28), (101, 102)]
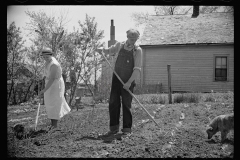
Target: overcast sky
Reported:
[(103, 15)]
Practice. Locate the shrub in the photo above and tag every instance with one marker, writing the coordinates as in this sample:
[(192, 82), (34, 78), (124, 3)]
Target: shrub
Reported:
[(148, 89), (157, 99), (178, 98), (154, 100), (209, 98), (151, 98), (21, 92), (143, 98), (228, 96), (162, 99), (186, 98), (193, 98)]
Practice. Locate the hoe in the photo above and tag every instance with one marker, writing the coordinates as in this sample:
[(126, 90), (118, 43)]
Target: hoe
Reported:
[(129, 90)]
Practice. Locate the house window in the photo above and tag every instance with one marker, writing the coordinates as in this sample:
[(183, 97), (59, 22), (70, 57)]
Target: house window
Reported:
[(221, 68)]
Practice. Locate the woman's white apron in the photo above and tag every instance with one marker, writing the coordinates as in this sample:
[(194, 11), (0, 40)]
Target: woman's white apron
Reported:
[(55, 103)]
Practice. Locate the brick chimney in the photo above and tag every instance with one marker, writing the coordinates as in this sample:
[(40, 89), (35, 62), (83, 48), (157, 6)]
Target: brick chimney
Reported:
[(195, 11), (106, 77), (112, 35)]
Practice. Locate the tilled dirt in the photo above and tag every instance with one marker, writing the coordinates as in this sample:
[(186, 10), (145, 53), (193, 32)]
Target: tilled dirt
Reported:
[(182, 134)]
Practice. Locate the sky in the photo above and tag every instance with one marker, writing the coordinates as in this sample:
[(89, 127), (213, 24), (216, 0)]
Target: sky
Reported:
[(103, 16)]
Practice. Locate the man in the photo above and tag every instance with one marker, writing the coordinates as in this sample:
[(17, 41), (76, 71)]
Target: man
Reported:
[(127, 64)]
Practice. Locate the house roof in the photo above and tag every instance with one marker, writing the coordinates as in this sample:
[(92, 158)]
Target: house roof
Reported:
[(182, 29)]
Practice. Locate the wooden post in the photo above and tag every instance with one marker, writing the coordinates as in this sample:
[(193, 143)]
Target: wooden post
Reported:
[(169, 84)]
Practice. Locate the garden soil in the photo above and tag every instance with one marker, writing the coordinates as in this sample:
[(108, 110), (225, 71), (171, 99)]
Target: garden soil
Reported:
[(182, 133)]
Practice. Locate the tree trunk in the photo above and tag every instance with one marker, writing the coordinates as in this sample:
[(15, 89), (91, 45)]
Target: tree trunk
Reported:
[(73, 90), (70, 96), (10, 92), (171, 10), (28, 90), (19, 93), (95, 76), (14, 96), (71, 93), (64, 79), (73, 85)]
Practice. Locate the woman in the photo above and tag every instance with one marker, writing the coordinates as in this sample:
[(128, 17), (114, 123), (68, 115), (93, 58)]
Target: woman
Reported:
[(54, 99)]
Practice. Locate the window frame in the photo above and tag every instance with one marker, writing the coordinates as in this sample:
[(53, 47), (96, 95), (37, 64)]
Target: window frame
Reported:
[(214, 66)]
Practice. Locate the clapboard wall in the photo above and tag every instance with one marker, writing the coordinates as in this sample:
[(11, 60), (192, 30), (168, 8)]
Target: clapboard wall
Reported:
[(192, 67)]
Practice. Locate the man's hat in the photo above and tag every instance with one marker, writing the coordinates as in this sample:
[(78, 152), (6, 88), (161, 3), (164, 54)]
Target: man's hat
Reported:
[(133, 33), (47, 52)]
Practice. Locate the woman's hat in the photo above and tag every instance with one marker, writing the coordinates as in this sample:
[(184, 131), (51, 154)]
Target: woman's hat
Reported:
[(47, 52), (133, 33)]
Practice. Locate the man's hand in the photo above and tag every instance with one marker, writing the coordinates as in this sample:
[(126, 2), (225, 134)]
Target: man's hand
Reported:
[(127, 86)]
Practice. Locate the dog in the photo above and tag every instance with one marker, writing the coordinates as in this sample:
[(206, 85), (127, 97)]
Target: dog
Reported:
[(18, 130), (222, 123)]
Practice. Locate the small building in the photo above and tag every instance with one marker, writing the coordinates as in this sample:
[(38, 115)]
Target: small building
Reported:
[(200, 51)]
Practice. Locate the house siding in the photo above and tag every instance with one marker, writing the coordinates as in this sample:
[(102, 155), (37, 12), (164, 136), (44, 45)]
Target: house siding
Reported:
[(192, 67)]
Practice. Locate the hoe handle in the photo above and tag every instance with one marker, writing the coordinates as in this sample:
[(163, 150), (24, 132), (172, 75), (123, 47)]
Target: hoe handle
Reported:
[(36, 121), (129, 90), (39, 105)]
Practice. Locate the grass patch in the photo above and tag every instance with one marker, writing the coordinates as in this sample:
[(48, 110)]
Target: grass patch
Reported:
[(218, 97), (158, 99), (209, 98), (152, 98), (163, 98)]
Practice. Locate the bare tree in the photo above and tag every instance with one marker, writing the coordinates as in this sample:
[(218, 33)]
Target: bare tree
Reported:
[(48, 31), (15, 60), (168, 10), (209, 9), (228, 8), (78, 50), (141, 18)]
